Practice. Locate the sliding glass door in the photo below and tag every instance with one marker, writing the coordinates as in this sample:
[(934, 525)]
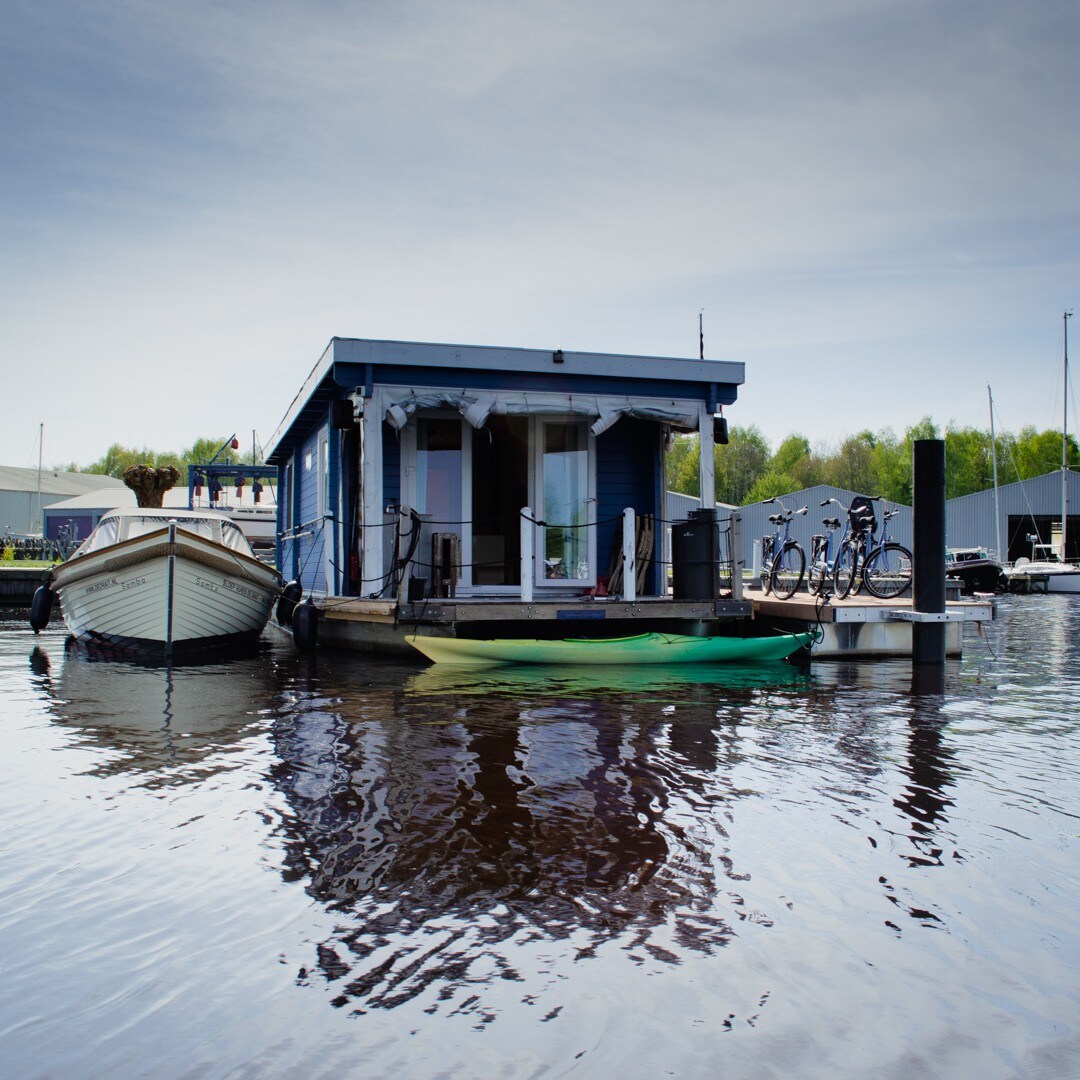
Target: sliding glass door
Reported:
[(567, 545)]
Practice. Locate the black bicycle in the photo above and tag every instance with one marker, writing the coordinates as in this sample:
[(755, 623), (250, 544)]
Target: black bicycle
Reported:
[(887, 569), (825, 551), (853, 553)]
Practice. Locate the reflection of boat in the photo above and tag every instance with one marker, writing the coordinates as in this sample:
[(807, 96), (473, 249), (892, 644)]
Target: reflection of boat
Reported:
[(600, 680), (144, 717), (639, 649), (975, 569), (164, 582)]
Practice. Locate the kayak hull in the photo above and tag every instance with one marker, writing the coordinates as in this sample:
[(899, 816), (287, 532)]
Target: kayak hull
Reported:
[(640, 649)]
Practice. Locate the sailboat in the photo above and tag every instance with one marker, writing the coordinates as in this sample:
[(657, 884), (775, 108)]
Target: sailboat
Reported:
[(1048, 561)]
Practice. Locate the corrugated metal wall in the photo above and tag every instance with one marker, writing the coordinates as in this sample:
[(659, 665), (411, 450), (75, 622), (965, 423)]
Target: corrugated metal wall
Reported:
[(1026, 506)]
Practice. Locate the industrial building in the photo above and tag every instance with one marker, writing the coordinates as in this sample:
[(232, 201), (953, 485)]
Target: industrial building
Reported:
[(25, 493), (1020, 514)]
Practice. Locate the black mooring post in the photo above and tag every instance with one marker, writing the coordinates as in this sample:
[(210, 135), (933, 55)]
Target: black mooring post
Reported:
[(928, 549)]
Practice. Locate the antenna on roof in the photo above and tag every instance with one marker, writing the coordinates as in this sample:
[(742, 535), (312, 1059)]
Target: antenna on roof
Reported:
[(701, 334)]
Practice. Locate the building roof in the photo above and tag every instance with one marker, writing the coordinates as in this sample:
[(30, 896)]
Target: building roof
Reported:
[(356, 365), (113, 498), (54, 482)]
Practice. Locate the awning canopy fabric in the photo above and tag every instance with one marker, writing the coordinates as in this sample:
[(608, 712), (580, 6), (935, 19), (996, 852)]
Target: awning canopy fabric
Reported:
[(476, 409)]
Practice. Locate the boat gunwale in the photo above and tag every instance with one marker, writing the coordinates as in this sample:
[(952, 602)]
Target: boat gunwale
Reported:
[(149, 546)]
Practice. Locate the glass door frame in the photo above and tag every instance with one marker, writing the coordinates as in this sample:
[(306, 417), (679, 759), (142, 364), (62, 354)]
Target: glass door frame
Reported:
[(536, 486), (410, 491)]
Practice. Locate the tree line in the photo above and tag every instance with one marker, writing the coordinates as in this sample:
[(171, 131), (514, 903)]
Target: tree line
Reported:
[(118, 458), (873, 463), (747, 470)]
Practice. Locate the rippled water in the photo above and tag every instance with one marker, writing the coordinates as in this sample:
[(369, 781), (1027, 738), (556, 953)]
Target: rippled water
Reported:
[(284, 867)]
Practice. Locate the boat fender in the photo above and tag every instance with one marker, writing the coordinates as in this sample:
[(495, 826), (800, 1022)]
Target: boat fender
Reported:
[(41, 608), (305, 626), (290, 596)]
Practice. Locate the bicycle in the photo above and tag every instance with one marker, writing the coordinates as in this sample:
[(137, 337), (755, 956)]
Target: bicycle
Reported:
[(823, 557), (887, 569), (783, 561), (851, 558)]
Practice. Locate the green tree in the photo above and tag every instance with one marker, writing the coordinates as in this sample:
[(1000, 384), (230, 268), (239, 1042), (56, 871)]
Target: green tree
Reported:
[(740, 464), (117, 458), (1039, 452), (890, 460), (852, 466), (682, 465), (968, 462)]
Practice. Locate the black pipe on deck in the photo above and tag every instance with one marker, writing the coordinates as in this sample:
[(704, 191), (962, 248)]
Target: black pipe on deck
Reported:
[(928, 550)]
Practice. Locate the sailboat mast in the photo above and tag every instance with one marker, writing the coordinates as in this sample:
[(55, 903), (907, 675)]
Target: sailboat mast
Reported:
[(1065, 442), (993, 454), (40, 453)]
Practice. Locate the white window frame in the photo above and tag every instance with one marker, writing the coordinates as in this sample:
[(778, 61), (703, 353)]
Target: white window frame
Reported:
[(536, 485), (410, 488)]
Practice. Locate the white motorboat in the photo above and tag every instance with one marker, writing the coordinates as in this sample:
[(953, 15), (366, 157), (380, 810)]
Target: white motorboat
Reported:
[(163, 582), (1046, 567)]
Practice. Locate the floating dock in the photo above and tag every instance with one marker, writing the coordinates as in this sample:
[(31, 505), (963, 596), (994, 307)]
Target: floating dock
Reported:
[(863, 627), (854, 628)]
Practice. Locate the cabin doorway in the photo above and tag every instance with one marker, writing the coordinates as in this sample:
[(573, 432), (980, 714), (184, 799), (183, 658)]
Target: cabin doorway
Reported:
[(469, 486), (500, 488)]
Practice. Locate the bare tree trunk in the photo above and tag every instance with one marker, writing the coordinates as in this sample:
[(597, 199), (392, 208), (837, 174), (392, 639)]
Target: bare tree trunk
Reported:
[(150, 484)]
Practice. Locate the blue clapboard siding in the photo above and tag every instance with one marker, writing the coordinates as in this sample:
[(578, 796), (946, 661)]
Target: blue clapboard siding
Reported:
[(391, 466), (310, 514), (627, 474)]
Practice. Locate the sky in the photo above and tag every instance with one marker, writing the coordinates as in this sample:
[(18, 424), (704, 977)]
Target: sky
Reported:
[(873, 204)]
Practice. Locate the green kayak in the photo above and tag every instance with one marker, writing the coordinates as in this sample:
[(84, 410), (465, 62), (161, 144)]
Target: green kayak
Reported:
[(639, 649)]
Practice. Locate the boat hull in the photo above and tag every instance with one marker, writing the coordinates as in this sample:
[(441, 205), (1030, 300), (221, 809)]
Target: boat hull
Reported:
[(640, 649), (1055, 582), (166, 594), (985, 577), (1051, 577)]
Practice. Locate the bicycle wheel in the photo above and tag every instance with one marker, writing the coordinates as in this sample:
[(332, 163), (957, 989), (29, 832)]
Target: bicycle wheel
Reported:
[(844, 572), (766, 565), (888, 571), (787, 571), (818, 570), (857, 575)]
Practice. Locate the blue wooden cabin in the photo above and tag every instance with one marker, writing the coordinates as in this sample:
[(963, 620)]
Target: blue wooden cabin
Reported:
[(407, 467)]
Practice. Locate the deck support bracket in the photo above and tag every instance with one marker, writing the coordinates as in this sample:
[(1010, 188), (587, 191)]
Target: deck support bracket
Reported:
[(907, 615)]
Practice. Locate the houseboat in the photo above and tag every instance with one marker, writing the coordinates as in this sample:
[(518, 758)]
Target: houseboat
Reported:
[(484, 492)]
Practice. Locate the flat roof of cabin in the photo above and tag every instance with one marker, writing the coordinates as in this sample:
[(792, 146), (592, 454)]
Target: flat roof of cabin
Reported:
[(360, 363)]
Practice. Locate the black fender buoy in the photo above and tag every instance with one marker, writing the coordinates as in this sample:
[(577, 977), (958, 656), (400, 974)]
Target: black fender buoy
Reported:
[(291, 592), (305, 626), (41, 608)]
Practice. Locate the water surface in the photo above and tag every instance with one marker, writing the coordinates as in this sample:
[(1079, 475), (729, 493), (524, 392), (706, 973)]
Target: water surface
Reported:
[(279, 866)]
